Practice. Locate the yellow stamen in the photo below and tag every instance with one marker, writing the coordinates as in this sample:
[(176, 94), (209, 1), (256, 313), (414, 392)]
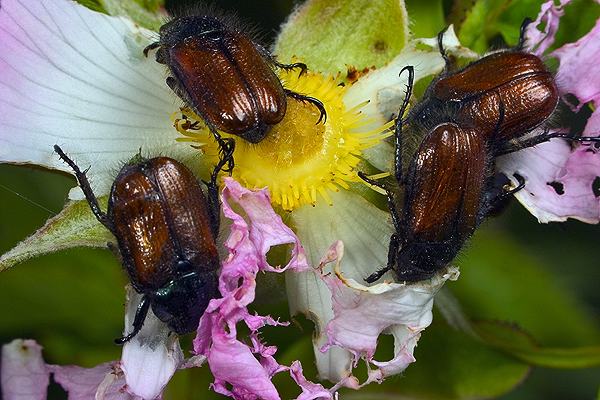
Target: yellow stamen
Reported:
[(298, 159)]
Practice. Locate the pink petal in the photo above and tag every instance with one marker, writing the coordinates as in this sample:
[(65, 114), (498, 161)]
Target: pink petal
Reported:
[(399, 309), (537, 41), (559, 182), (24, 375), (78, 78), (244, 371), (151, 358), (310, 391), (103, 382), (579, 70)]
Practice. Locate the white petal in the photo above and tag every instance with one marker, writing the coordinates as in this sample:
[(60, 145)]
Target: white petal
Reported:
[(385, 88), (151, 358), (77, 78), (24, 375), (365, 230)]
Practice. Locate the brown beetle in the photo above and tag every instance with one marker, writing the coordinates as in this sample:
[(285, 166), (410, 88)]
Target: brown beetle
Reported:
[(449, 188), (506, 94), (224, 76), (166, 230)]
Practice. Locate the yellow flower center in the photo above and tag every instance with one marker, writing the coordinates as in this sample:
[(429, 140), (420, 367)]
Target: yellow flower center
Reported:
[(299, 159)]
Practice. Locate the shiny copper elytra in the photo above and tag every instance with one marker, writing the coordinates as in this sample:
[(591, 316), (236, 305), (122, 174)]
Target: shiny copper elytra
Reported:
[(226, 78), (166, 230), (444, 185), (503, 95)]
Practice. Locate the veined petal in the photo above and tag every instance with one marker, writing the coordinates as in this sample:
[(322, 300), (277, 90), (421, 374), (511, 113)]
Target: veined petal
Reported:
[(23, 373), (579, 69), (150, 359), (400, 309), (365, 231), (77, 78)]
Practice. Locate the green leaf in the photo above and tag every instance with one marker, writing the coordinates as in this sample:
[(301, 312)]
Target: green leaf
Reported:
[(500, 280), (332, 35), (74, 226), (427, 17), (147, 13), (512, 340)]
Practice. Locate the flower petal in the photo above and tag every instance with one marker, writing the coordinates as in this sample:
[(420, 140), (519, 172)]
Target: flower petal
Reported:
[(77, 78), (404, 310), (310, 391), (151, 358), (579, 70), (560, 183), (244, 371), (365, 231), (549, 17), (24, 374), (103, 382)]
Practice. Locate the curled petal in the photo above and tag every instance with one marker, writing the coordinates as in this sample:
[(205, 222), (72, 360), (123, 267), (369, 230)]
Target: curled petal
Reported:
[(150, 359), (366, 232), (23, 373), (539, 41), (404, 310), (310, 391), (579, 70), (77, 78), (244, 371)]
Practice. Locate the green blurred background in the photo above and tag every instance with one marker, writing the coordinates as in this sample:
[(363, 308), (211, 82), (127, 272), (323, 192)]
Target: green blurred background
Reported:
[(542, 278)]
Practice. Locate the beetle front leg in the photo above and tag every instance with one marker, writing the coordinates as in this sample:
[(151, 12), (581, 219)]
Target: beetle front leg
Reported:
[(138, 321), (391, 263), (316, 102), (85, 186), (516, 145)]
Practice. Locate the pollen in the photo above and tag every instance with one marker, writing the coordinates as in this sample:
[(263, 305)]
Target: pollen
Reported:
[(299, 160)]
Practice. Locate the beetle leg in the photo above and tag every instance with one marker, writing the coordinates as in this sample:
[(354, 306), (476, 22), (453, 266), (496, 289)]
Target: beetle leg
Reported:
[(399, 122), (497, 195), (442, 50), (302, 66), (392, 252), (138, 321), (516, 145), (523, 30), (316, 102), (150, 47), (213, 188), (84, 184)]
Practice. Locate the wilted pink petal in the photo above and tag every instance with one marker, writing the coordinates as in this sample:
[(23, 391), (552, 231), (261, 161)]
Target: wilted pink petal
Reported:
[(579, 70), (241, 370), (310, 391), (403, 310), (561, 183), (103, 382), (152, 356), (537, 41), (24, 375)]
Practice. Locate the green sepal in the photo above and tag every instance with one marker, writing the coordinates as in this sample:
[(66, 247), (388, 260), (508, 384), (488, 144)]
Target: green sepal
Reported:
[(74, 226), (332, 35), (146, 13)]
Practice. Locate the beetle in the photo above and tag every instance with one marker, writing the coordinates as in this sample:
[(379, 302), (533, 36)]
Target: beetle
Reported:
[(166, 230), (225, 77), (506, 93), (449, 188)]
